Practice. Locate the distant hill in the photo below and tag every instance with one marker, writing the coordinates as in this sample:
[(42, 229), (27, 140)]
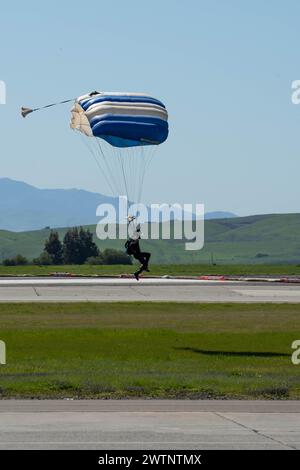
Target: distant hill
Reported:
[(271, 238), (219, 215), (24, 207)]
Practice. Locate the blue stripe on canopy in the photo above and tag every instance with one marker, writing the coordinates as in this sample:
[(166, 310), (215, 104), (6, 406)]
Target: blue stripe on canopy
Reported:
[(128, 118), (86, 103), (126, 133)]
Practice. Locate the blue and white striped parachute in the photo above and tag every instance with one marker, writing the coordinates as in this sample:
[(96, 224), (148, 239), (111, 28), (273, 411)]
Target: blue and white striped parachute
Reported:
[(121, 119), (126, 129), (123, 130)]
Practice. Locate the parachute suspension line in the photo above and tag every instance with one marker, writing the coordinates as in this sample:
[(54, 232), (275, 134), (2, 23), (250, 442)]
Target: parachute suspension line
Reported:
[(136, 154), (124, 169), (107, 165), (147, 161), (129, 169), (124, 189), (140, 188), (134, 171), (140, 174), (128, 166), (124, 175), (121, 161), (116, 164), (151, 157), (141, 171), (144, 156), (142, 165), (131, 166), (92, 152), (129, 158)]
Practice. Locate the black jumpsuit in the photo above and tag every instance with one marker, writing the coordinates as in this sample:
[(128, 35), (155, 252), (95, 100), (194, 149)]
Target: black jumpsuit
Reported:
[(142, 256)]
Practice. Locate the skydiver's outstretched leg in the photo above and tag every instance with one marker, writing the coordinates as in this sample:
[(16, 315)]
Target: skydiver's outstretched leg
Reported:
[(137, 273), (145, 263), (143, 258), (138, 256)]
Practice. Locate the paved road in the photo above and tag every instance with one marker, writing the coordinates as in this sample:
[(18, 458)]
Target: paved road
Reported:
[(149, 424), (109, 289)]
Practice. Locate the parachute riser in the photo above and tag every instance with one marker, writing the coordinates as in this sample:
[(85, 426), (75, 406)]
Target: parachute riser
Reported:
[(26, 111)]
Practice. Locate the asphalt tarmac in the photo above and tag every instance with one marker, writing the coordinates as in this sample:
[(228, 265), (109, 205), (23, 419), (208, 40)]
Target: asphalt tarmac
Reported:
[(149, 424), (149, 289)]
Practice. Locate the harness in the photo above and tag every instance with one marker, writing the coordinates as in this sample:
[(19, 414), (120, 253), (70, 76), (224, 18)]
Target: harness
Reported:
[(132, 247)]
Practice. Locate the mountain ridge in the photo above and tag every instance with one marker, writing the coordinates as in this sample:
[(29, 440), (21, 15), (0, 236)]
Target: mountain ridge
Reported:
[(24, 207)]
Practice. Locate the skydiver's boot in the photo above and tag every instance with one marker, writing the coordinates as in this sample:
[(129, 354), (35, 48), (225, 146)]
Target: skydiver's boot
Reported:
[(139, 271), (137, 274)]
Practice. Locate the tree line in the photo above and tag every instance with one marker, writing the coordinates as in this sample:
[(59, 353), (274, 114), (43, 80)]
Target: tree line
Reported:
[(77, 247)]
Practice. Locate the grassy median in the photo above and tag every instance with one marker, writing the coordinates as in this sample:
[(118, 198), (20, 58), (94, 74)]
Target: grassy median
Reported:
[(149, 350), (156, 270)]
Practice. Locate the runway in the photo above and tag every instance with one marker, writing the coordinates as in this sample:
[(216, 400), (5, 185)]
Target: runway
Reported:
[(149, 424), (148, 289)]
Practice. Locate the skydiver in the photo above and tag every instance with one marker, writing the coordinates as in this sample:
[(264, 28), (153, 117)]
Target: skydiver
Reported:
[(133, 248)]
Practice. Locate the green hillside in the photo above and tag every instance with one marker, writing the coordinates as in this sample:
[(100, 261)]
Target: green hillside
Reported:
[(260, 239)]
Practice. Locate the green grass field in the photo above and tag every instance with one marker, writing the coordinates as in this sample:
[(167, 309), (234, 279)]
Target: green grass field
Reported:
[(156, 270), (149, 350)]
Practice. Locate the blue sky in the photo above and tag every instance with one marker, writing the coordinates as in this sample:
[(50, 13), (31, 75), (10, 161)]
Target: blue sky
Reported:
[(224, 69)]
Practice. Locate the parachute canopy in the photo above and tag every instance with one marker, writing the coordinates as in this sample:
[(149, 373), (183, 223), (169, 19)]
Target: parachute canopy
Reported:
[(121, 119), (124, 131)]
